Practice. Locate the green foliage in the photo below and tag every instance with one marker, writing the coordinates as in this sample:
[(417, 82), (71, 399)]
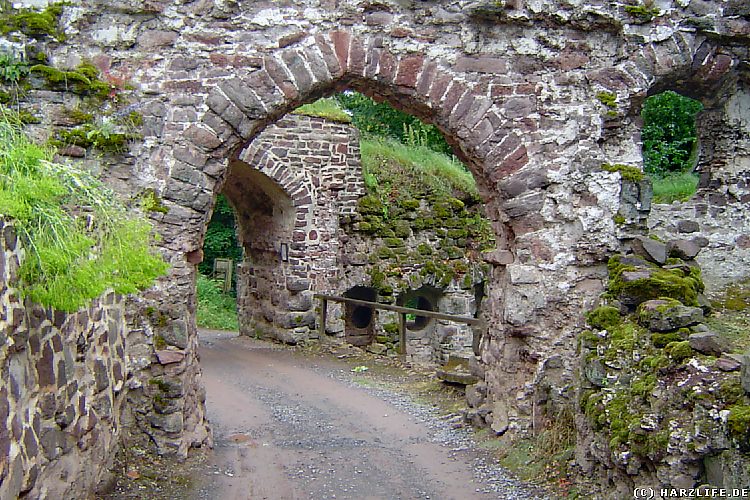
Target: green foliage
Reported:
[(80, 240), (150, 202), (104, 135), (221, 237), (669, 134), (327, 107), (31, 22), (380, 119), (675, 186), (609, 99), (216, 309), (12, 69)]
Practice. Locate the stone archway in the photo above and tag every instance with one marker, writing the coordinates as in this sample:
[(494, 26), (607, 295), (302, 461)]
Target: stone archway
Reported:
[(240, 107)]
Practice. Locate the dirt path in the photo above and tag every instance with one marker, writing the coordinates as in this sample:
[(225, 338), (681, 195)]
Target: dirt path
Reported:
[(289, 427)]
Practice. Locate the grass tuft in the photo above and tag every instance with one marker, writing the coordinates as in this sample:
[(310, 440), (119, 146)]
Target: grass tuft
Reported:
[(79, 239), (326, 107), (674, 187)]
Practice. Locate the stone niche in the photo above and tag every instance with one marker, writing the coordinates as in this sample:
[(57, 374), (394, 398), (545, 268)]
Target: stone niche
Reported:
[(61, 391)]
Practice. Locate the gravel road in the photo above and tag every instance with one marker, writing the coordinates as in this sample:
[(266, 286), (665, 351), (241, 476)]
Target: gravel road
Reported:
[(289, 426)]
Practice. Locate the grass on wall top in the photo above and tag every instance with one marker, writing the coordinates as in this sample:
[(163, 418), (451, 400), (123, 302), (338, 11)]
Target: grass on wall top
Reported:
[(79, 239)]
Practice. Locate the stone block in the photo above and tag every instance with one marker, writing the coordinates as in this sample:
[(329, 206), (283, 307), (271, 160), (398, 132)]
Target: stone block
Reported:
[(683, 249), (651, 250), (662, 315), (170, 423), (177, 335), (687, 226), (708, 343)]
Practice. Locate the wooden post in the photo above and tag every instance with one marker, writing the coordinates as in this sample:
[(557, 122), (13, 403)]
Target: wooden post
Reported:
[(402, 334), (323, 317)]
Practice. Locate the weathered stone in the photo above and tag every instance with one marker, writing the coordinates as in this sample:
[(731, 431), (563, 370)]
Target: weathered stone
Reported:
[(500, 420), (170, 423), (168, 356), (376, 348), (594, 371), (745, 373), (683, 249), (708, 343), (727, 364), (687, 226), (476, 394), (652, 250), (666, 315), (177, 334)]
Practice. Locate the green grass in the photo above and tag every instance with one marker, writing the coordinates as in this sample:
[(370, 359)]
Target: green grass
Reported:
[(79, 239), (326, 107), (674, 187), (216, 309), (389, 164)]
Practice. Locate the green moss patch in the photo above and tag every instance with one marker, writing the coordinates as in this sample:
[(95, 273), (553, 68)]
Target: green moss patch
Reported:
[(33, 23), (604, 317), (627, 172)]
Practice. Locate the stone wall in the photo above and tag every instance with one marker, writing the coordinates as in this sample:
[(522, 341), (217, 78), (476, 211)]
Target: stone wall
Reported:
[(289, 188), (61, 389)]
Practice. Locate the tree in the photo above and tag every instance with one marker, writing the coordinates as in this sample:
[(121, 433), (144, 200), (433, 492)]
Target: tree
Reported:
[(668, 134), (381, 119)]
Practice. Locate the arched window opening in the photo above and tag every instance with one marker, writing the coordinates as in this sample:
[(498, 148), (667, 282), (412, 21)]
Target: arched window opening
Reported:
[(670, 145)]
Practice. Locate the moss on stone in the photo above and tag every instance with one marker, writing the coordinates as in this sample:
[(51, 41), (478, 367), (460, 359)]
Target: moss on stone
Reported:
[(679, 351), (424, 249), (738, 424), (34, 23), (731, 391), (159, 342), (627, 172), (660, 283), (151, 202), (609, 99), (393, 242), (604, 317), (82, 80), (370, 204), (390, 328), (401, 229), (642, 12), (662, 339)]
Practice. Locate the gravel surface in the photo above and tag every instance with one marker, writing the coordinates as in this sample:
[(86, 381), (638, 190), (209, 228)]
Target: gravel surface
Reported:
[(295, 425)]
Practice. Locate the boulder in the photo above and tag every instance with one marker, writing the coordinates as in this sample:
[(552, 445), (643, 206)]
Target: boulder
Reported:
[(664, 315), (708, 343), (687, 226), (651, 250), (683, 249)]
